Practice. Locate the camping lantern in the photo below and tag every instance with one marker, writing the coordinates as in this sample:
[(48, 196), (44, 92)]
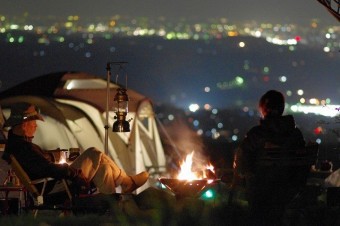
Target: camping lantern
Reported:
[(121, 101)]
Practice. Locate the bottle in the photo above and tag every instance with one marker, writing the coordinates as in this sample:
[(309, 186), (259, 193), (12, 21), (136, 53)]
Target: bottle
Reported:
[(16, 181), (9, 179)]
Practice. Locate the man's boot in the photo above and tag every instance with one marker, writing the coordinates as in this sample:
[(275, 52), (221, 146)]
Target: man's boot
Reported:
[(131, 183)]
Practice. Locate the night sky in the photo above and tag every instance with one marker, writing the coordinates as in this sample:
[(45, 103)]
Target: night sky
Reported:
[(149, 67), (277, 11)]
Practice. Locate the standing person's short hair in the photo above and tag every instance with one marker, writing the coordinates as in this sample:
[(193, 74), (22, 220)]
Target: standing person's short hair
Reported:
[(272, 103)]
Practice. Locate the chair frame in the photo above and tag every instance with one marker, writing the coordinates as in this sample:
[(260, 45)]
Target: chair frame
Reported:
[(30, 186), (306, 156)]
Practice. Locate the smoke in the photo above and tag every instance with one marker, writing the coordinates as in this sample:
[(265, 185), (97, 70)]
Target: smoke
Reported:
[(180, 141)]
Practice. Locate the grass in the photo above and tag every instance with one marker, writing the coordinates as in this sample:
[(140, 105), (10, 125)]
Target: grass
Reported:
[(155, 207)]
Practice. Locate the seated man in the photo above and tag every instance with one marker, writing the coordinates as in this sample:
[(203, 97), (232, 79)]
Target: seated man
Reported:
[(269, 190), (2, 135), (91, 166)]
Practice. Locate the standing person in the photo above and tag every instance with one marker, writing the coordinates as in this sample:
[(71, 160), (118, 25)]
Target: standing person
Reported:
[(269, 191), (91, 166)]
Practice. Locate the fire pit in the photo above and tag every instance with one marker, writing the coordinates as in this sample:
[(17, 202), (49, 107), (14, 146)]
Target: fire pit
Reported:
[(189, 183), (184, 188)]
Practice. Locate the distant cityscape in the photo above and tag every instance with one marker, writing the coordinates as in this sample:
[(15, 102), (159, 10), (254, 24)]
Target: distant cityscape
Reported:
[(293, 60), (54, 29), (60, 31)]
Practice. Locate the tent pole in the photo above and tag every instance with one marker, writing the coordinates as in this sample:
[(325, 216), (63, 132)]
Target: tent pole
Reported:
[(108, 80)]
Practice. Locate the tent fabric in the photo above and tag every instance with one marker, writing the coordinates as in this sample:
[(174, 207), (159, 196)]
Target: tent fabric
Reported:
[(53, 85), (74, 106)]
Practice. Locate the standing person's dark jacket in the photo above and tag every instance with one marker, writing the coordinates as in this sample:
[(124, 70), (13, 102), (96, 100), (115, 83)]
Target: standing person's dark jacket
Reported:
[(275, 131), (269, 189)]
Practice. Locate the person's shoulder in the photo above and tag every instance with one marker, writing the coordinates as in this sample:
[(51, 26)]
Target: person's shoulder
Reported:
[(254, 132), (288, 118)]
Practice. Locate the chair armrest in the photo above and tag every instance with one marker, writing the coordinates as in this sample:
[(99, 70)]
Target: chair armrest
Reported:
[(42, 180)]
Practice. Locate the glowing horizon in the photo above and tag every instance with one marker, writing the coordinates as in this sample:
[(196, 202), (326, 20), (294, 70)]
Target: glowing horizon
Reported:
[(325, 110)]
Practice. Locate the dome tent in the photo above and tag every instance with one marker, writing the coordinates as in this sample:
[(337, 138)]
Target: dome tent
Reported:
[(73, 106)]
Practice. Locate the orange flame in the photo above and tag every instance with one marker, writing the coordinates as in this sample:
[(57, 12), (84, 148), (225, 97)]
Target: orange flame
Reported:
[(186, 172)]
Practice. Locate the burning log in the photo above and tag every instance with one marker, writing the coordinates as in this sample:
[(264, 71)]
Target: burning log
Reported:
[(209, 174)]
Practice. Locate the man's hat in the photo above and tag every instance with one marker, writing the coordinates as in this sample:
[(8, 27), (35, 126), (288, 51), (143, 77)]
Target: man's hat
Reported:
[(23, 112)]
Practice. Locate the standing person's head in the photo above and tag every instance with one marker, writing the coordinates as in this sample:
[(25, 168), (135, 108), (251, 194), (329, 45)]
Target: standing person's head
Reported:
[(272, 103), (23, 119)]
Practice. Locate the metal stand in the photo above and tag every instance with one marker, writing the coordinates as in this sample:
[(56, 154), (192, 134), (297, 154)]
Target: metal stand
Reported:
[(108, 81)]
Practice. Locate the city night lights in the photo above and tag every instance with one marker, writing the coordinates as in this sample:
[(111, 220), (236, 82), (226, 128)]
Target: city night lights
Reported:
[(173, 112)]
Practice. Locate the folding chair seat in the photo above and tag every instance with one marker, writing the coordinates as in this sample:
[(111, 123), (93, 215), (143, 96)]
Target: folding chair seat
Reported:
[(30, 186), (284, 171), (287, 162)]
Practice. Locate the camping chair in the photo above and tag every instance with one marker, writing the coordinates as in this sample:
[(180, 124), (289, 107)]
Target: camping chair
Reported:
[(293, 164), (280, 157), (286, 171), (30, 186)]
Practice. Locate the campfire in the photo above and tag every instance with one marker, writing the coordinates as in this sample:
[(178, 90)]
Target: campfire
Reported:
[(189, 182)]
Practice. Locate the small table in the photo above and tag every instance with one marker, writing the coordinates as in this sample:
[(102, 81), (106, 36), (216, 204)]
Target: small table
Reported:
[(7, 189)]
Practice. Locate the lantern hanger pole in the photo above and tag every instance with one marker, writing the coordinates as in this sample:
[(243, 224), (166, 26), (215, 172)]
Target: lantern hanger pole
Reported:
[(108, 81)]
